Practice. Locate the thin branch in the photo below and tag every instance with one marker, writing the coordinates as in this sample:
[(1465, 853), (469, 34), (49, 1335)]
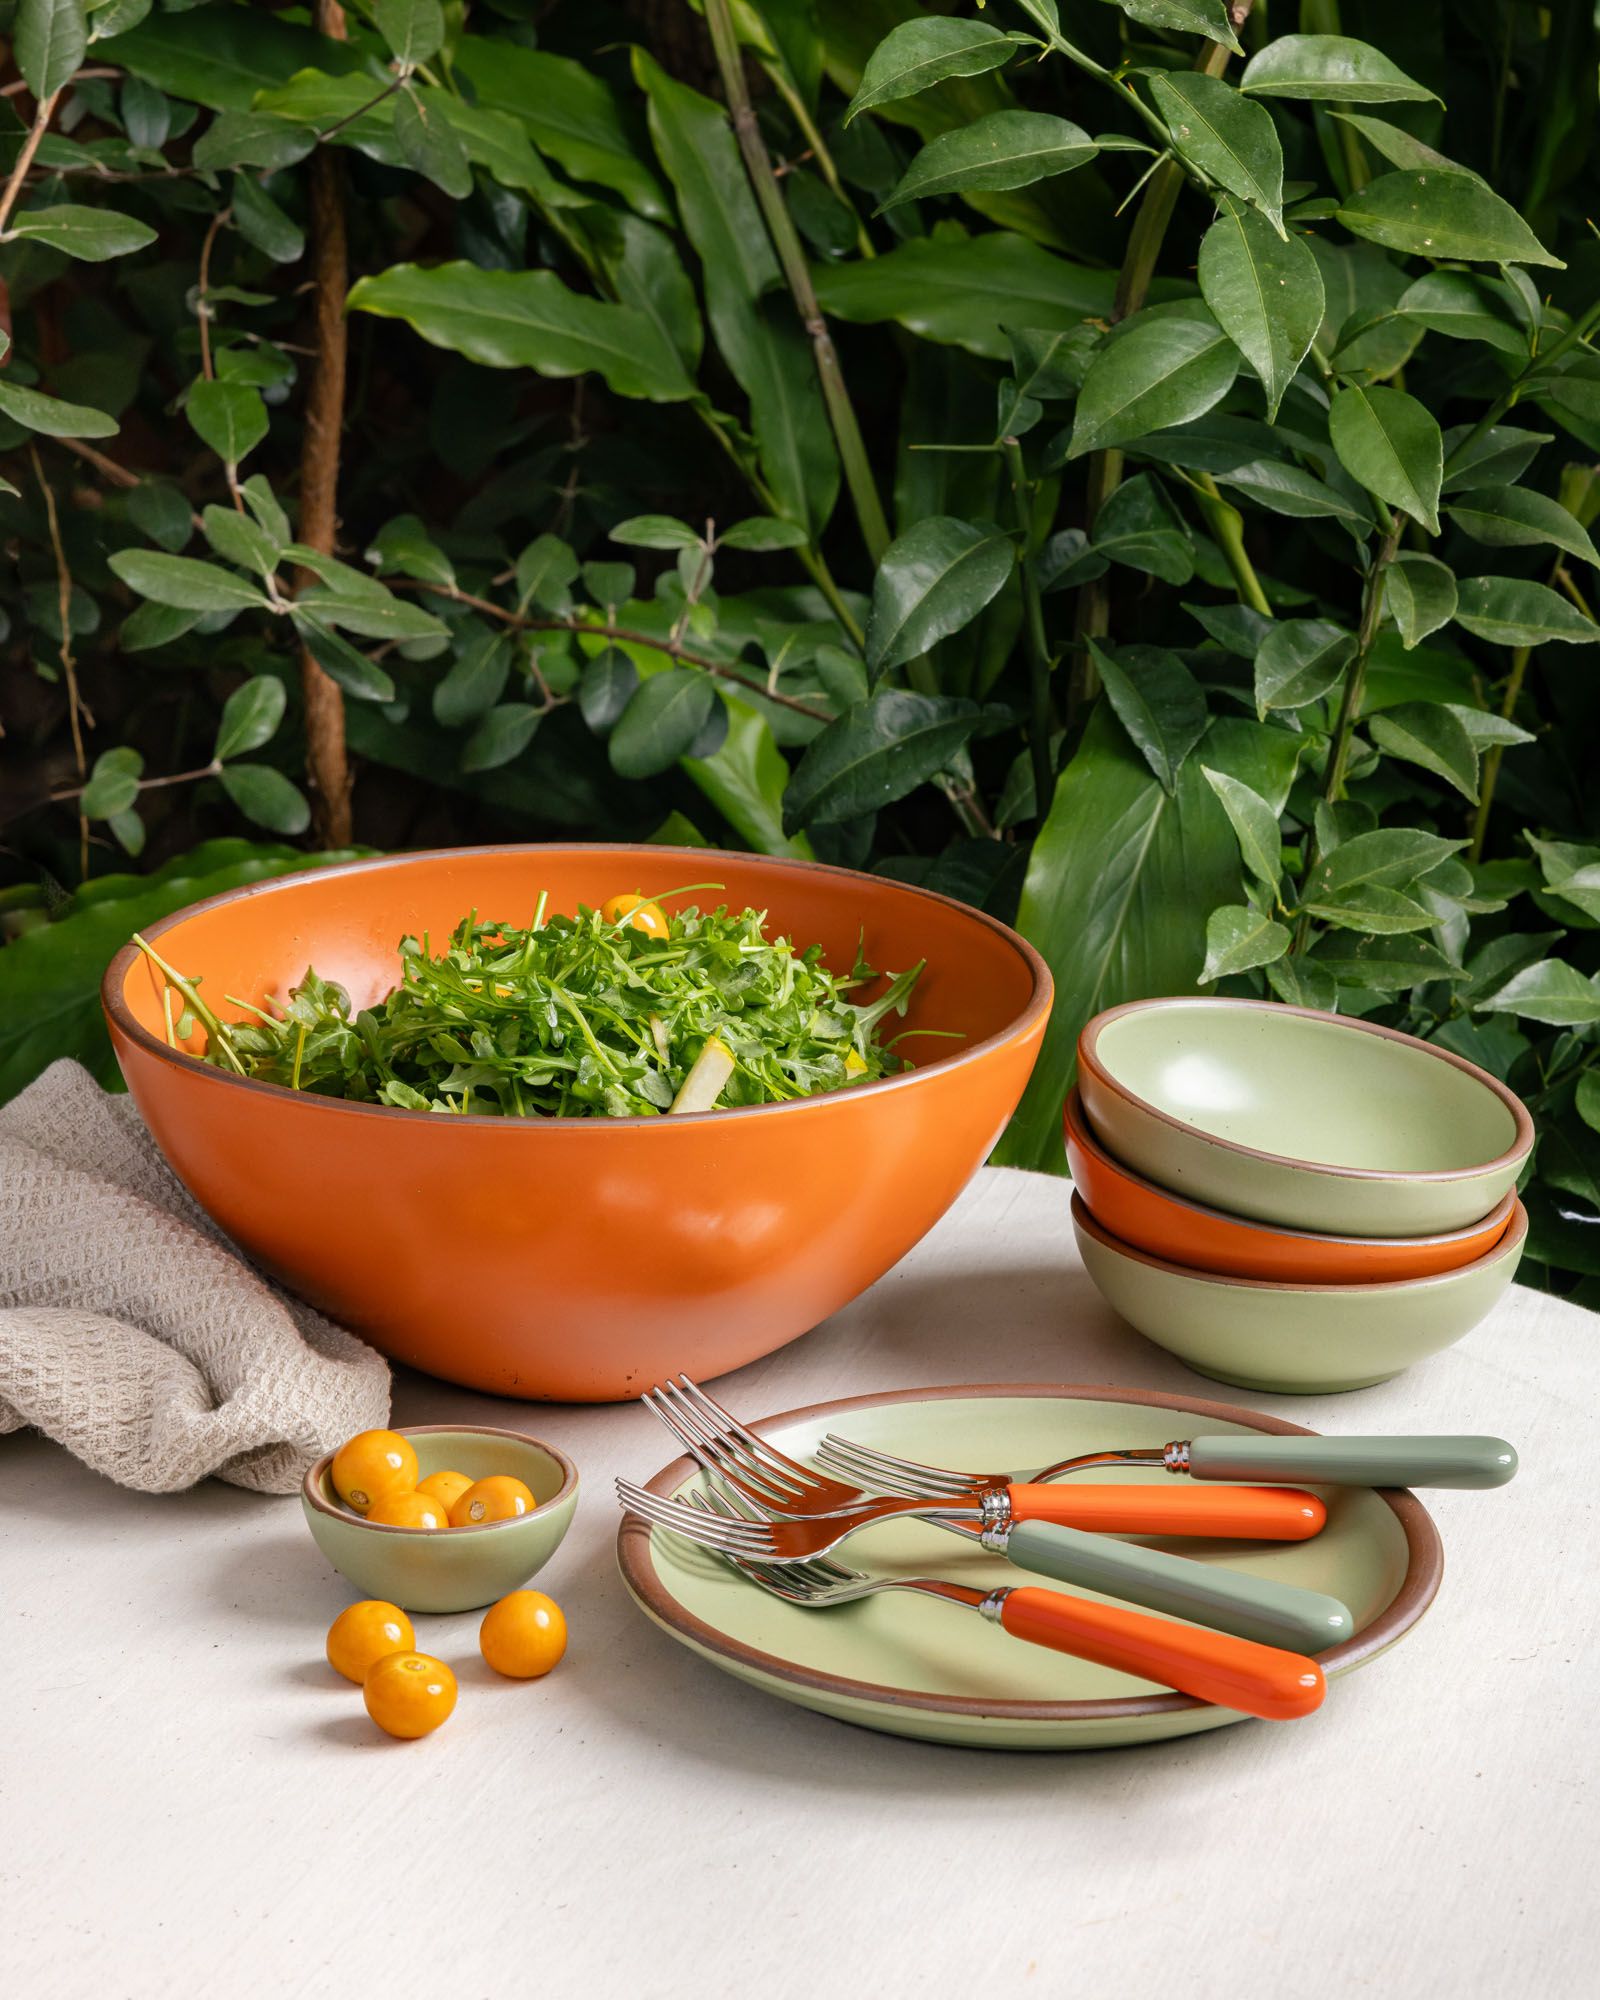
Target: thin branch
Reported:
[(1041, 723), (30, 146), (69, 666), (147, 784), (202, 310), (20, 84), (521, 622)]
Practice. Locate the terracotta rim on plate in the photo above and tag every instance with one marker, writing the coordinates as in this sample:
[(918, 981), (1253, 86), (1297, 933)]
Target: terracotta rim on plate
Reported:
[(311, 1485), (1514, 1155), (1516, 1231), (1075, 1121), (117, 1008), (1424, 1566)]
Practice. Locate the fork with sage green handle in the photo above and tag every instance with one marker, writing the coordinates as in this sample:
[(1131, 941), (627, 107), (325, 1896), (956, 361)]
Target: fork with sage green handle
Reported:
[(1259, 1608), (1323, 1461), (1261, 1680)]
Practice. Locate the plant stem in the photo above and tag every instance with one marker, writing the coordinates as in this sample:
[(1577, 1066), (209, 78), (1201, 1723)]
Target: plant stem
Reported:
[(69, 665), (1226, 524), (1040, 719), (326, 760), (1579, 330), (800, 112), (791, 255), (30, 145), (202, 310), (1492, 756), (1355, 681)]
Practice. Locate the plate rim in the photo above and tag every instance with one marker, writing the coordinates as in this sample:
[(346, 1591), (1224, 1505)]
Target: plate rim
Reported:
[(635, 1560)]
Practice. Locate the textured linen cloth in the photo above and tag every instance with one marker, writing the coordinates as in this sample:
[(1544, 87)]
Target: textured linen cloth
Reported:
[(133, 1333)]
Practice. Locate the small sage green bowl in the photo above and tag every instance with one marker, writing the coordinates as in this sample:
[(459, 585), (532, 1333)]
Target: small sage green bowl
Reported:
[(1295, 1340), (449, 1569)]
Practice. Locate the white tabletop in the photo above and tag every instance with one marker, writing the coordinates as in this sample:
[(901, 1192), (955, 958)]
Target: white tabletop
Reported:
[(188, 1796)]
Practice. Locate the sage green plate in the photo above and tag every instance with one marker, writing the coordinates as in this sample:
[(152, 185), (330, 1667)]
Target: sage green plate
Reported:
[(915, 1667)]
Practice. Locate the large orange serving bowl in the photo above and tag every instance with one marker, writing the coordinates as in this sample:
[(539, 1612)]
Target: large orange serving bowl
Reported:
[(578, 1259)]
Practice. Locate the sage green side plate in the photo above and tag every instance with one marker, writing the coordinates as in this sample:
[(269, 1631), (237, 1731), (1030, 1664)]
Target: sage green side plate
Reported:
[(912, 1666)]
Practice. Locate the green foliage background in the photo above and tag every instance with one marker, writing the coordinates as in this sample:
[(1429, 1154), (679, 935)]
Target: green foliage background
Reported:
[(1125, 463)]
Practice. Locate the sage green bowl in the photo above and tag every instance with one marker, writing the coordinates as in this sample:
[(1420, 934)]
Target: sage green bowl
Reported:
[(1302, 1119), (449, 1569), (1296, 1340)]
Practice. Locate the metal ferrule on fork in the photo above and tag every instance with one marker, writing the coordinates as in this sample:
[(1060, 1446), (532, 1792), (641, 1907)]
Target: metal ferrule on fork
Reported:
[(995, 1520)]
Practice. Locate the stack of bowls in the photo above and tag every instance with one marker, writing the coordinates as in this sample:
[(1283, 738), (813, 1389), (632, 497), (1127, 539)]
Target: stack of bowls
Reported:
[(1289, 1200)]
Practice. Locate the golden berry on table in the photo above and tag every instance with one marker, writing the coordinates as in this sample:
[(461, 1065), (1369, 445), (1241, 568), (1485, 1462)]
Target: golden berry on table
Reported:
[(409, 1694), (445, 1486), (497, 1498), (364, 1633), (373, 1466), (409, 1510), (524, 1635)]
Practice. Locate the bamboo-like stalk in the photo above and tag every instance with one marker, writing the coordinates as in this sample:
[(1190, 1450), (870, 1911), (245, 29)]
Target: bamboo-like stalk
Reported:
[(797, 273)]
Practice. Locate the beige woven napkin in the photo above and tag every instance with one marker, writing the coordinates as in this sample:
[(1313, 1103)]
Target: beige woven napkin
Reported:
[(133, 1333)]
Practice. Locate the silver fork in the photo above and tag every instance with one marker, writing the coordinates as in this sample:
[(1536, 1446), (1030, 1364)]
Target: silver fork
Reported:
[(1234, 1673), (826, 1511)]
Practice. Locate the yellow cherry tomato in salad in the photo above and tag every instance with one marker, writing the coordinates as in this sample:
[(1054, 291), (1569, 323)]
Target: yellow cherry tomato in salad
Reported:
[(497, 1498), (365, 1633), (371, 1466), (635, 912), (446, 1487), (409, 1694)]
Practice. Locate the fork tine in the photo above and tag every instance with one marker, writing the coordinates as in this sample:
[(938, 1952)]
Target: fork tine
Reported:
[(868, 1467), (697, 1524), (767, 1454), (711, 1450), (928, 1478)]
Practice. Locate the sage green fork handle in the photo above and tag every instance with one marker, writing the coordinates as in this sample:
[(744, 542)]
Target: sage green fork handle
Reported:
[(1251, 1607), (1345, 1461)]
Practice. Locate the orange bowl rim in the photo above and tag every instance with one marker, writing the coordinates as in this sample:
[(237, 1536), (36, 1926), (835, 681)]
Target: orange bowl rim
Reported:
[(122, 1018), (1513, 1238), (311, 1485), (1075, 1122), (1519, 1149)]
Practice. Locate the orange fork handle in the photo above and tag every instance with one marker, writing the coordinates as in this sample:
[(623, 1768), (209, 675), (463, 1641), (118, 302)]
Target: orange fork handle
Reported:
[(1233, 1673), (1254, 1513)]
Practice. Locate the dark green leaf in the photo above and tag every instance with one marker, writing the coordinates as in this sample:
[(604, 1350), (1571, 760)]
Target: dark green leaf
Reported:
[(1006, 149), (606, 688), (267, 797), (504, 733), (1461, 305), (1551, 991), (259, 220), (92, 235), (1299, 981), (1299, 661), (1508, 611), (1049, 364), (1388, 857), (609, 583), (933, 580), (404, 544), (662, 719), (874, 754), (429, 143), (1378, 911), (1428, 734), (1388, 441), (1209, 18), (763, 532), (1395, 145), (1238, 939), (414, 29), (1265, 291), (1224, 134), (476, 680), (162, 512), (1570, 872), (545, 570), (1161, 372), (1158, 701), (1434, 213), (52, 417), (113, 784), (238, 539), (924, 51), (1420, 594), (51, 37), (1140, 528), (655, 531), (1518, 517), (228, 416), (1586, 1099), (251, 139), (1289, 489), (185, 583), (250, 717), (1254, 823), (377, 617), (1503, 453), (150, 625), (346, 666), (1331, 69), (1384, 964), (527, 319), (1235, 627)]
